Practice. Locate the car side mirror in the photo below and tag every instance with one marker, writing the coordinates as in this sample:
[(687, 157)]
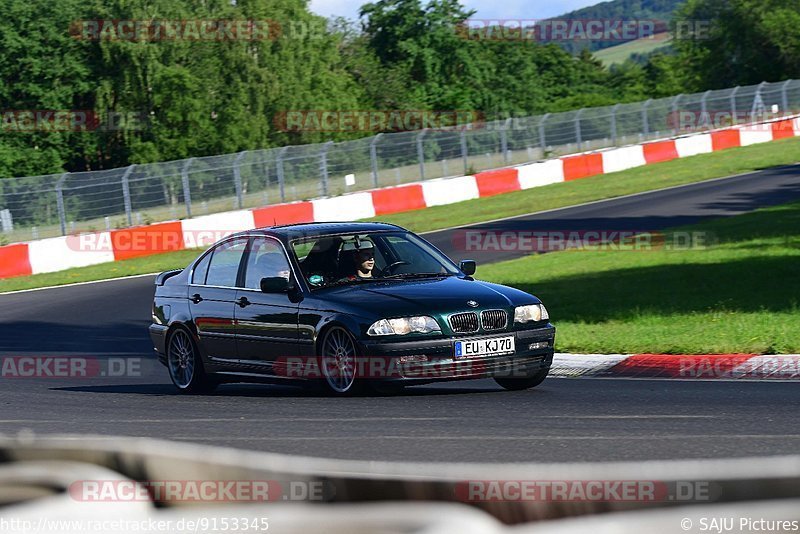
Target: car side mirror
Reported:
[(468, 267), (277, 284)]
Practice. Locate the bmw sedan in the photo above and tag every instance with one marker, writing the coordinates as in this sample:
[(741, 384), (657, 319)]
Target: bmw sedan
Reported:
[(346, 305)]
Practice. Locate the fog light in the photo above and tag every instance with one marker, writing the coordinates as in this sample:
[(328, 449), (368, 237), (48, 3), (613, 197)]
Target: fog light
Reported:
[(539, 345), (411, 359)]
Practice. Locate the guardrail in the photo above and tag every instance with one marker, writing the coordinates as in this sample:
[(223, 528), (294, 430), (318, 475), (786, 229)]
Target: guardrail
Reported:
[(91, 248), (68, 203)]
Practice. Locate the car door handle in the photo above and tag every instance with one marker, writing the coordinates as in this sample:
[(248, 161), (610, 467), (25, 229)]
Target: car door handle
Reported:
[(196, 298), (243, 302)]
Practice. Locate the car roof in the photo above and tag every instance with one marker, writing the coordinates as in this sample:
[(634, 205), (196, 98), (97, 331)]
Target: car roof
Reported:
[(298, 231)]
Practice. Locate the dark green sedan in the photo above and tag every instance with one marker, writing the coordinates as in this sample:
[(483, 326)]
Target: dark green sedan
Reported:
[(353, 306)]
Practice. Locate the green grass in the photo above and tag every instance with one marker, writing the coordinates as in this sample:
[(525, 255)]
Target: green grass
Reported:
[(739, 295), (669, 173), (682, 171), (621, 52)]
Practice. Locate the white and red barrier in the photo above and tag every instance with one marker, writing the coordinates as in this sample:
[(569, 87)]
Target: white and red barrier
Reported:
[(50, 255), (344, 208), (449, 190), (693, 145), (678, 366), (541, 173), (620, 159), (56, 254)]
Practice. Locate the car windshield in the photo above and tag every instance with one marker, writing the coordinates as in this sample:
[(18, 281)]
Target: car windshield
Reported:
[(352, 259)]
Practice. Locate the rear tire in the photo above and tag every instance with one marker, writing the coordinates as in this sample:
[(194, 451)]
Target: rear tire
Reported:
[(519, 384), (186, 366)]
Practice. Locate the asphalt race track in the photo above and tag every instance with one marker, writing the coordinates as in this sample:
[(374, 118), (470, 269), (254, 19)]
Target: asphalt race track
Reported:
[(651, 211), (562, 420)]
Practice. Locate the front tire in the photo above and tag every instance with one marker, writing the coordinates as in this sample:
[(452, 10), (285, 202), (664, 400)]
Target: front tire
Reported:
[(519, 384), (338, 361), (185, 365)]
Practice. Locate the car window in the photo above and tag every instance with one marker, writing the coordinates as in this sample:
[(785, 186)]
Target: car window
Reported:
[(318, 257), (303, 248), (349, 249), (267, 260), (332, 259), (418, 259), (201, 270), (225, 262)]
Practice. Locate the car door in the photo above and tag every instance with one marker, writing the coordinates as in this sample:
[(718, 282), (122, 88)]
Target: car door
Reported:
[(266, 323), (211, 295)]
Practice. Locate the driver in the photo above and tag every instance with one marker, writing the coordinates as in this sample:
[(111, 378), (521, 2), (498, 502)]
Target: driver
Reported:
[(363, 262)]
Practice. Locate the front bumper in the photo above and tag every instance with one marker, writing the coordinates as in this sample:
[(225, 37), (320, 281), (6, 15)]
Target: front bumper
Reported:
[(432, 360)]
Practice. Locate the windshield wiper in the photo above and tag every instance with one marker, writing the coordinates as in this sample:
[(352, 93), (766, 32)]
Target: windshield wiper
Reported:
[(354, 281), (412, 276), (404, 276)]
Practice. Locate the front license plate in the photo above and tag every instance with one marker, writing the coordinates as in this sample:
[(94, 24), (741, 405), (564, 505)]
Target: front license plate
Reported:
[(484, 347)]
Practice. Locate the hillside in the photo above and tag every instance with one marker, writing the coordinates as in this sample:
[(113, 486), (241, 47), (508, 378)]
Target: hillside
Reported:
[(642, 47), (650, 10)]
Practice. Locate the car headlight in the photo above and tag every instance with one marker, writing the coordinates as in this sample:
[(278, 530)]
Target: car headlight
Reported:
[(533, 312), (404, 325)]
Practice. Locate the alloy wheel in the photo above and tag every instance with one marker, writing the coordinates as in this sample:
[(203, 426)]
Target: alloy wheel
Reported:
[(339, 360)]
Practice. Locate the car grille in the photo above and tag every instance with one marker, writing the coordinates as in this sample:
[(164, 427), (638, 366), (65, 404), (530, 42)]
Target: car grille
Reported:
[(494, 319), (464, 323)]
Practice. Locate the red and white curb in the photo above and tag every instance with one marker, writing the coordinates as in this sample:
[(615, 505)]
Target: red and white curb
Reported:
[(60, 253), (678, 366)]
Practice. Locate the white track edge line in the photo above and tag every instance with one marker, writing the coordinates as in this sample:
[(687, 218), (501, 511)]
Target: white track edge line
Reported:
[(78, 283)]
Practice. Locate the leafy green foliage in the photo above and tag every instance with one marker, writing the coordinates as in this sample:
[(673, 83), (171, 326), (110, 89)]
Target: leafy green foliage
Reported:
[(420, 45), (746, 42), (41, 68), (207, 97), (193, 97)]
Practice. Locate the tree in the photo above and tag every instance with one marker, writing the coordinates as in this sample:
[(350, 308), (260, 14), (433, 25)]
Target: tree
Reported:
[(422, 44), (42, 68), (745, 42)]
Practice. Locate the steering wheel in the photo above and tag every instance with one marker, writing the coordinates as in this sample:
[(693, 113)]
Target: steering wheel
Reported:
[(389, 269)]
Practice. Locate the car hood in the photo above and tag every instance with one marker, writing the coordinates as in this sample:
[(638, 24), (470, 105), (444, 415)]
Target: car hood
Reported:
[(397, 298)]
